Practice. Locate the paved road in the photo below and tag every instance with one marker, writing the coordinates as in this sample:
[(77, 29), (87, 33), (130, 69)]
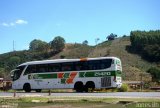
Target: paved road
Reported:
[(98, 95)]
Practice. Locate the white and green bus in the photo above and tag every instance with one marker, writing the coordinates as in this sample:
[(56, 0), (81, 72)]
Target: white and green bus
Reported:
[(79, 74)]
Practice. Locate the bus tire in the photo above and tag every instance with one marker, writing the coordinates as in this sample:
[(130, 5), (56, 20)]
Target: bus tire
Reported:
[(38, 90), (78, 86), (27, 87), (90, 86)]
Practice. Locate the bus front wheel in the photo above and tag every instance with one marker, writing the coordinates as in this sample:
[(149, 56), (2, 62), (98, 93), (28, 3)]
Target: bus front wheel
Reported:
[(27, 87)]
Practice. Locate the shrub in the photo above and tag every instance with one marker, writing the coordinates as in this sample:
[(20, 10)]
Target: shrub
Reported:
[(124, 88), (155, 72)]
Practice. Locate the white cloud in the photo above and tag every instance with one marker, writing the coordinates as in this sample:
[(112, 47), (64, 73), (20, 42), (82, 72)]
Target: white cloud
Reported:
[(12, 24), (17, 22), (20, 21), (5, 24)]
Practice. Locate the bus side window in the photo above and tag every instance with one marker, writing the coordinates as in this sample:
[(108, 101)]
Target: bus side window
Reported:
[(55, 67), (102, 66), (42, 68), (30, 69), (94, 65), (78, 67), (106, 63), (81, 65), (67, 67), (84, 65)]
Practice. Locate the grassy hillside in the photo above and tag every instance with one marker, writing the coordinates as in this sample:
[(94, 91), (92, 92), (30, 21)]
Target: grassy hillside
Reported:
[(133, 64), (74, 51)]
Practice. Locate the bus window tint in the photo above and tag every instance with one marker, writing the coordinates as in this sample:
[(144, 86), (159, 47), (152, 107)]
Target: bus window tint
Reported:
[(67, 67), (106, 63), (81, 65), (99, 64), (70, 66), (94, 65), (78, 66), (54, 67), (42, 68), (30, 69)]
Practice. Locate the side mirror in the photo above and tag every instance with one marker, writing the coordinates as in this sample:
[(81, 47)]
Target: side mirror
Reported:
[(12, 76), (12, 72)]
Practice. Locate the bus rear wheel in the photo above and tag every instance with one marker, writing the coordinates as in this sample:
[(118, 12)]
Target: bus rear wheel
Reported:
[(90, 86), (27, 87), (78, 86)]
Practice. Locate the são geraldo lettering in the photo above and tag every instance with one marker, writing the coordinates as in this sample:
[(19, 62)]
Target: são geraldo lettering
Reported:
[(102, 73)]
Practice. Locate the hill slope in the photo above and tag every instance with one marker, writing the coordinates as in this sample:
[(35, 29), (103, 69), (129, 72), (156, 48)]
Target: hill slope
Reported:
[(133, 65)]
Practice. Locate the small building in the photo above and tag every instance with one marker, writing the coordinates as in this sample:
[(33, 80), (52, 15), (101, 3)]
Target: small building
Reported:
[(134, 84), (5, 84)]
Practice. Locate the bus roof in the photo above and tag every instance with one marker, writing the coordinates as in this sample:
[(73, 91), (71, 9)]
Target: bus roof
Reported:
[(64, 60)]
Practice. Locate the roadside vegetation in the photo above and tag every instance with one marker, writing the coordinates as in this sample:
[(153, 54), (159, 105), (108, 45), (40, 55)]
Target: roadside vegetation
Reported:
[(77, 102)]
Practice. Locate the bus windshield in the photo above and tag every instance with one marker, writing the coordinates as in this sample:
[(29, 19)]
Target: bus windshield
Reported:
[(16, 73)]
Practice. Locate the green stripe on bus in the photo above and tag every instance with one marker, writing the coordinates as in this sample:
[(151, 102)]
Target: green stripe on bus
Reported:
[(43, 76), (63, 81), (118, 73), (66, 75), (99, 74), (47, 76)]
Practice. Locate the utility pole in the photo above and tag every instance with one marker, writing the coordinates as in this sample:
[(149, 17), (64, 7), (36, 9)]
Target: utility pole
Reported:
[(13, 46), (96, 41), (141, 81)]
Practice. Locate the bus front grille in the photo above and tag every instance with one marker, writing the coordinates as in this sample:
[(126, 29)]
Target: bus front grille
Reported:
[(106, 82)]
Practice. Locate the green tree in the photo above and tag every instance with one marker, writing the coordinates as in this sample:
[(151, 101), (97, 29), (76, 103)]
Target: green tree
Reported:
[(38, 45), (85, 42), (57, 44), (155, 72), (2, 72), (152, 52), (147, 44), (13, 62), (111, 36)]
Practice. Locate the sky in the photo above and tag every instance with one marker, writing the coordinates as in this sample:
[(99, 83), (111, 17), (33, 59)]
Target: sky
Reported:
[(22, 21)]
